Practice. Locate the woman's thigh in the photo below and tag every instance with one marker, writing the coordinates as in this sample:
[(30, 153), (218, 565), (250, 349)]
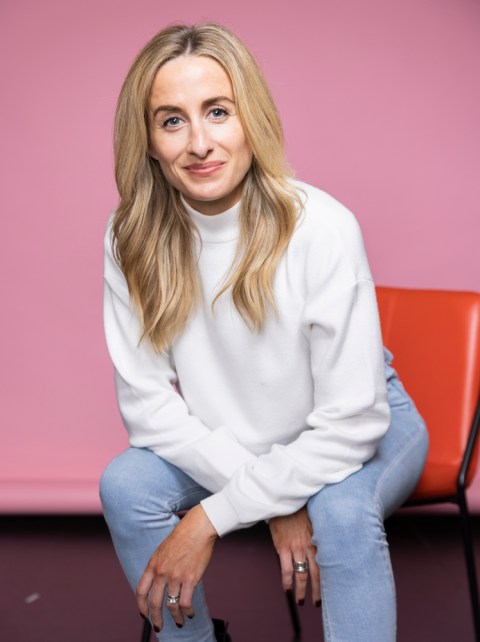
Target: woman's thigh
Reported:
[(391, 475), (139, 481), (358, 589)]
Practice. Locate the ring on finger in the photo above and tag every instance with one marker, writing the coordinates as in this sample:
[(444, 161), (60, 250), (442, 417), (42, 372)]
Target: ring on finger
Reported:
[(300, 567), (173, 599)]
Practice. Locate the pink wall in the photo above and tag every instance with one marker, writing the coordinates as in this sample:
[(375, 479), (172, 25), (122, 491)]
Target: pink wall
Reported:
[(380, 106)]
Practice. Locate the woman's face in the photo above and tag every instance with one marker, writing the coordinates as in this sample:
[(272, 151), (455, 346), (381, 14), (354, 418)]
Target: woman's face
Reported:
[(196, 134)]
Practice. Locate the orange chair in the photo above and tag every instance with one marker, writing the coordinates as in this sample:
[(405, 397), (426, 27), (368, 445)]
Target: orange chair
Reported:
[(435, 338)]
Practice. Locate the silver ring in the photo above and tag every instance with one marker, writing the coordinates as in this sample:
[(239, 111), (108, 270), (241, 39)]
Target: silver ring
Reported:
[(300, 567), (173, 599)]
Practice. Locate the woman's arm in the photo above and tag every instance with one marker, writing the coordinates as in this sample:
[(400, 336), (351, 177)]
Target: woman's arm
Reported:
[(155, 415), (350, 412), (176, 567)]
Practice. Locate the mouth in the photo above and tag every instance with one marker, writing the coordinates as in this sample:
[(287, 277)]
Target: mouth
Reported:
[(204, 169)]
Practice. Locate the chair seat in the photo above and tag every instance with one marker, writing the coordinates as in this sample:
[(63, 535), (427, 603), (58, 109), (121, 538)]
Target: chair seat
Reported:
[(439, 480)]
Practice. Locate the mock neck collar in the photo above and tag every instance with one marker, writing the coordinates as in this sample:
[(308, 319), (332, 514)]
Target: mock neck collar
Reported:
[(216, 228)]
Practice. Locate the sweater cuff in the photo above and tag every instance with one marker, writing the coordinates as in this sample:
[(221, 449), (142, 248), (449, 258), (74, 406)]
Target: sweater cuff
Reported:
[(221, 513)]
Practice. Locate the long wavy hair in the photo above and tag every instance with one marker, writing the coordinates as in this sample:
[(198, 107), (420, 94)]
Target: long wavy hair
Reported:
[(153, 236)]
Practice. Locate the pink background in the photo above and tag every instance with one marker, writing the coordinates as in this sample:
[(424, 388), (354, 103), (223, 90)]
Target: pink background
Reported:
[(380, 106)]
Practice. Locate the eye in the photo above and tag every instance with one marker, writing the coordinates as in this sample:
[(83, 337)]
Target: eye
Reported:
[(218, 113), (172, 122)]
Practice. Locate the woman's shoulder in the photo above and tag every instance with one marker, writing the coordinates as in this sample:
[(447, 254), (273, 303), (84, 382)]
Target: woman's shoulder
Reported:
[(323, 218), (328, 235)]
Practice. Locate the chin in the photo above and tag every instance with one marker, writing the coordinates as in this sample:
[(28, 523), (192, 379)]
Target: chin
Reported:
[(208, 198)]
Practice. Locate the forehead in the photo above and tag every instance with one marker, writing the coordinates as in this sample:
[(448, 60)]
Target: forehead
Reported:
[(189, 78)]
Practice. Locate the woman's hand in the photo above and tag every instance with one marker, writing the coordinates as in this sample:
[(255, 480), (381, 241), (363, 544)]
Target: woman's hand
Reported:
[(292, 538), (176, 567)]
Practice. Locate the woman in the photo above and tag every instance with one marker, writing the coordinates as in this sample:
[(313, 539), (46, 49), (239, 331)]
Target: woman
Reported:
[(241, 319)]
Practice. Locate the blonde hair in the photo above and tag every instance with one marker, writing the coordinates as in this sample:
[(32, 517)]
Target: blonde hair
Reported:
[(152, 233)]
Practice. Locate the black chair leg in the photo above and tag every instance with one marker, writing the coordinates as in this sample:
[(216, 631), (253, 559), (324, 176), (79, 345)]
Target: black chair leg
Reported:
[(146, 631), (294, 618), (470, 560)]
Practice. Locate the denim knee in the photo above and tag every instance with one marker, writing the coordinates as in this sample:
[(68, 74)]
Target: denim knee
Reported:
[(126, 483), (114, 486), (345, 525)]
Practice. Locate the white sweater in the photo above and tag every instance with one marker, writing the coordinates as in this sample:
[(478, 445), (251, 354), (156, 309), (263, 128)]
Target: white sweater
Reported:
[(263, 421)]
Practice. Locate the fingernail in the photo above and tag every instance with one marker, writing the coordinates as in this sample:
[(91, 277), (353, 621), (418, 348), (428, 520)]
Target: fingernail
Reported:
[(318, 603), (144, 617), (288, 591), (179, 625), (190, 617), (156, 628), (301, 602)]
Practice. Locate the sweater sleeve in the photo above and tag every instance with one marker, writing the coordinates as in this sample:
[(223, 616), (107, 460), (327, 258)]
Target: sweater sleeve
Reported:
[(155, 415), (350, 413)]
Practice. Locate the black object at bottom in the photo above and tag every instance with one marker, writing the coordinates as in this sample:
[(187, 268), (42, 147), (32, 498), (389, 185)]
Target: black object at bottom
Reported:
[(219, 627), (147, 629)]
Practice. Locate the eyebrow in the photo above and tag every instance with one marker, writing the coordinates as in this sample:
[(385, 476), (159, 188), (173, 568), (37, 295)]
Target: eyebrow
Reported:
[(206, 103)]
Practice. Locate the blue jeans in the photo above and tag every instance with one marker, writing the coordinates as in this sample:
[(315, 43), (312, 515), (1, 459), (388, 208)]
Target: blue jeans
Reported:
[(141, 494)]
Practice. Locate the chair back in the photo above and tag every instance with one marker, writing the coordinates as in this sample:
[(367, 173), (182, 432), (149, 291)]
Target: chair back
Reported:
[(435, 339)]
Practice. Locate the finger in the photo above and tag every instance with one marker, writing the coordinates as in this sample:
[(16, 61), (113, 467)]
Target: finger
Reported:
[(287, 570), (142, 591), (186, 597), (173, 595), (156, 601), (314, 572), (301, 579)]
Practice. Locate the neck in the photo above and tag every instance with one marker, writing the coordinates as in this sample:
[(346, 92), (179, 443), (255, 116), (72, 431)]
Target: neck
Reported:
[(220, 228)]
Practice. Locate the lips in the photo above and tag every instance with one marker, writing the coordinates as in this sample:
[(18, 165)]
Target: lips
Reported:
[(204, 169)]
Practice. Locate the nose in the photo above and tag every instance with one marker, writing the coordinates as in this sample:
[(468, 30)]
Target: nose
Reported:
[(199, 140)]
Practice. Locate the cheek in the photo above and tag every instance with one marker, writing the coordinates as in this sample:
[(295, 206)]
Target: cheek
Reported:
[(165, 150), (243, 149), (168, 171), (245, 154), (166, 159), (234, 139)]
